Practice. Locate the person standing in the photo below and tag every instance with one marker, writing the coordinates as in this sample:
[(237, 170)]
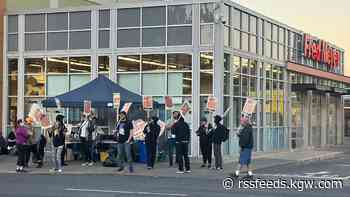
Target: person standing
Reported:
[(204, 133), (92, 139), (21, 141), (182, 137), (41, 150), (246, 143), (58, 143), (218, 137), (151, 132), (32, 142), (84, 135), (124, 138), (171, 142)]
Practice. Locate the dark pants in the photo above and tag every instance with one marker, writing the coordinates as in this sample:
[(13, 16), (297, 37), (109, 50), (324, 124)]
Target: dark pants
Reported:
[(171, 148), (31, 149), (63, 154), (206, 149), (182, 154), (218, 155), (151, 148), (85, 148), (41, 153), (20, 155)]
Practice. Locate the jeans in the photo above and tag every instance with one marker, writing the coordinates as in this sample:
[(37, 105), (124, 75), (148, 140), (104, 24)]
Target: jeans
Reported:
[(93, 151), (124, 149), (151, 149), (86, 149), (20, 155), (218, 155), (182, 154), (171, 148), (56, 157)]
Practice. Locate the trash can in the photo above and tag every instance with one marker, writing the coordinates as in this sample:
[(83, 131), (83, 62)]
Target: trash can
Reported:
[(141, 152)]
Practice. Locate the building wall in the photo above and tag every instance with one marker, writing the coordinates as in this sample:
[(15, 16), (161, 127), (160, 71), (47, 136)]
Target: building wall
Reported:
[(2, 12)]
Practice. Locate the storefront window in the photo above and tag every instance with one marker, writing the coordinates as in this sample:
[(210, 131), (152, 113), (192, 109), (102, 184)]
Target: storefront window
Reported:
[(152, 37), (103, 64), (34, 85), (80, 64), (153, 84), (57, 84), (179, 62), (180, 35), (129, 17), (56, 65), (206, 73), (130, 82), (180, 83), (207, 34), (207, 13), (154, 62), (129, 63), (153, 16), (179, 14), (34, 65), (128, 38)]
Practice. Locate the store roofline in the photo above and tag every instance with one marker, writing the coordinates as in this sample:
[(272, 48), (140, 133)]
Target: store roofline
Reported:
[(307, 70)]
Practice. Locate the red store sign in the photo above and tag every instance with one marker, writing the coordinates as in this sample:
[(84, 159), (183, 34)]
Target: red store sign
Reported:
[(320, 51)]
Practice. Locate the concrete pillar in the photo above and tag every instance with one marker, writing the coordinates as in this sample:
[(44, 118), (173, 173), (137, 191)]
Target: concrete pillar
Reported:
[(307, 108), (340, 121), (219, 59), (195, 79), (324, 119), (20, 93)]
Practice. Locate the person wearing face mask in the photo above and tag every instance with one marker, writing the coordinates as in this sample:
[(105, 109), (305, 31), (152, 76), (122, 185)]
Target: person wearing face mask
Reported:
[(246, 144), (182, 136), (124, 137), (218, 137), (151, 132), (204, 133), (21, 140)]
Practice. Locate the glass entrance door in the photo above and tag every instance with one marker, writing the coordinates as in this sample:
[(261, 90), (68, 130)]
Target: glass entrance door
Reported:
[(315, 117)]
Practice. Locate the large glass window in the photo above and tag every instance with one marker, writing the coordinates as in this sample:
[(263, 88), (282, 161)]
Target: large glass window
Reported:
[(34, 85), (80, 40), (104, 19), (57, 40), (12, 33), (206, 73), (207, 34), (128, 38), (128, 63), (57, 21), (179, 62), (57, 84), (34, 41), (129, 17), (153, 84), (35, 23), (153, 37), (57, 65), (80, 20), (180, 35), (130, 82), (179, 14), (12, 85), (80, 64), (34, 65), (180, 83), (207, 13), (154, 62), (153, 16), (103, 64)]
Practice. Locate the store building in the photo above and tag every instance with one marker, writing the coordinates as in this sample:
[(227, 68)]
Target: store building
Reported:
[(187, 49)]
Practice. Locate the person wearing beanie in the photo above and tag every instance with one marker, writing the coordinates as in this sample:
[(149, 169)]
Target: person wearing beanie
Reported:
[(219, 133), (204, 133), (151, 132), (21, 140)]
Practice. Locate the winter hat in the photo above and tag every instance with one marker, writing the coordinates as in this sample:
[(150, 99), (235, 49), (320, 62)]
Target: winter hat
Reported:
[(217, 119)]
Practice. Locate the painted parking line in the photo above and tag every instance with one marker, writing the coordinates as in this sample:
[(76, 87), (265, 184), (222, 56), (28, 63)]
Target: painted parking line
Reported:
[(123, 192), (303, 176)]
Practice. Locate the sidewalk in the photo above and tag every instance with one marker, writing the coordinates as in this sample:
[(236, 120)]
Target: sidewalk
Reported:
[(260, 161)]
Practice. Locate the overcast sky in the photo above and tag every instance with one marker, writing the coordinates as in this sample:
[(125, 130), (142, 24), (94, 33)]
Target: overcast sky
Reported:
[(326, 19)]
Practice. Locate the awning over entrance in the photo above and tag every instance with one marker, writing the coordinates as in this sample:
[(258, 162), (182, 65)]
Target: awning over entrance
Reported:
[(322, 88)]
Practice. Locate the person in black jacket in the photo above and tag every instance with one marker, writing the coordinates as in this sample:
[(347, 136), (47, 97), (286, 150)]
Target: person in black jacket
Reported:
[(124, 138), (246, 144), (182, 138), (205, 141), (218, 137), (151, 132), (58, 132)]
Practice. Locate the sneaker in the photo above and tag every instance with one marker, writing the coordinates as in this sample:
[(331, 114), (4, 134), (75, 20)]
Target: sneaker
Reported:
[(203, 165), (53, 170), (59, 171), (209, 166), (188, 171), (84, 164), (18, 170), (120, 169), (149, 168), (91, 164), (180, 172)]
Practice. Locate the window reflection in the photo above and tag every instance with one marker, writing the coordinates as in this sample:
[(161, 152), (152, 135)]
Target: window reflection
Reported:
[(12, 66), (207, 13), (12, 85), (103, 64), (154, 62), (179, 14), (80, 64), (34, 85), (180, 83), (57, 65), (179, 62), (129, 63), (34, 65)]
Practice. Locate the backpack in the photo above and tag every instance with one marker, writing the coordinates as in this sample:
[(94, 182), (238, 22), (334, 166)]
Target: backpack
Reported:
[(226, 135)]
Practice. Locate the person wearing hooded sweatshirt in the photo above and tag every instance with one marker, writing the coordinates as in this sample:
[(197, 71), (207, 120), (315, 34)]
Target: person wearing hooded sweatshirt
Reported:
[(151, 132), (217, 139), (182, 137), (246, 144), (58, 140), (205, 141), (124, 138), (21, 140)]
